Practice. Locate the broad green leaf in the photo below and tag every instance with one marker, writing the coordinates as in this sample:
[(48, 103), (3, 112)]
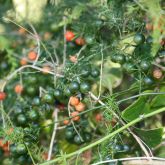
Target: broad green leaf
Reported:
[(4, 43), (112, 75), (159, 100), (151, 137), (139, 107)]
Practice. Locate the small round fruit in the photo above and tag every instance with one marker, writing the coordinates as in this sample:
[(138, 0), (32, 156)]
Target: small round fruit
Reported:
[(129, 67), (66, 122), (18, 89), (161, 53), (139, 38), (95, 73), (87, 137), (36, 101), (89, 39), (21, 31), (21, 149), (85, 87), (69, 35), (80, 41), (118, 148), (32, 80), (32, 55), (126, 147), (33, 115), (148, 81), (48, 98), (74, 86), (21, 119), (31, 90), (67, 92), (149, 40), (13, 149), (73, 59), (120, 58), (80, 107), (23, 61), (75, 116), (69, 134), (17, 110), (77, 139), (46, 69), (98, 117), (145, 65), (74, 101), (113, 58), (58, 93), (157, 74), (149, 26), (2, 96)]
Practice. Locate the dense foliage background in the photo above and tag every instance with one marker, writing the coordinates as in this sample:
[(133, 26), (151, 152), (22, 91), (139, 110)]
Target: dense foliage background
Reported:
[(82, 81)]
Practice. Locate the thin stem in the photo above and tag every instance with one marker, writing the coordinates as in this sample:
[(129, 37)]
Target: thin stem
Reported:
[(129, 159), (38, 43), (53, 134), (142, 94), (65, 46), (111, 135), (123, 123), (101, 72)]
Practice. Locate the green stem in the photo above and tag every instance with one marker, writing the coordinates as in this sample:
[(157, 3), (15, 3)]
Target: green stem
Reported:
[(107, 136)]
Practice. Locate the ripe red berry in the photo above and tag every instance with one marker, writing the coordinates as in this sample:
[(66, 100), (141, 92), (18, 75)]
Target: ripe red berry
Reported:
[(69, 35), (80, 41), (2, 96)]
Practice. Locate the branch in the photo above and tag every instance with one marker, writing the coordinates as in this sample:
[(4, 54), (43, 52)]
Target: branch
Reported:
[(140, 142), (132, 158), (53, 134), (111, 135), (64, 50)]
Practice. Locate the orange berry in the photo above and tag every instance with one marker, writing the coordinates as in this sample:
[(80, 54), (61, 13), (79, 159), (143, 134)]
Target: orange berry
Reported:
[(74, 101), (23, 61), (80, 41), (18, 89), (149, 26), (80, 107), (75, 116), (45, 155), (66, 122), (46, 69), (47, 36), (98, 117), (2, 96), (157, 74), (21, 31), (73, 59), (32, 55)]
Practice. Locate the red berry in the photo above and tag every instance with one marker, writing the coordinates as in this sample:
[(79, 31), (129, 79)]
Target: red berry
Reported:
[(80, 41), (2, 96), (69, 35)]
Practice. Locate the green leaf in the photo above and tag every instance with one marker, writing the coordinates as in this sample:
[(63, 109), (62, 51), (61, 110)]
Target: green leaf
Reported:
[(139, 107), (4, 43), (151, 137), (112, 75), (158, 101)]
